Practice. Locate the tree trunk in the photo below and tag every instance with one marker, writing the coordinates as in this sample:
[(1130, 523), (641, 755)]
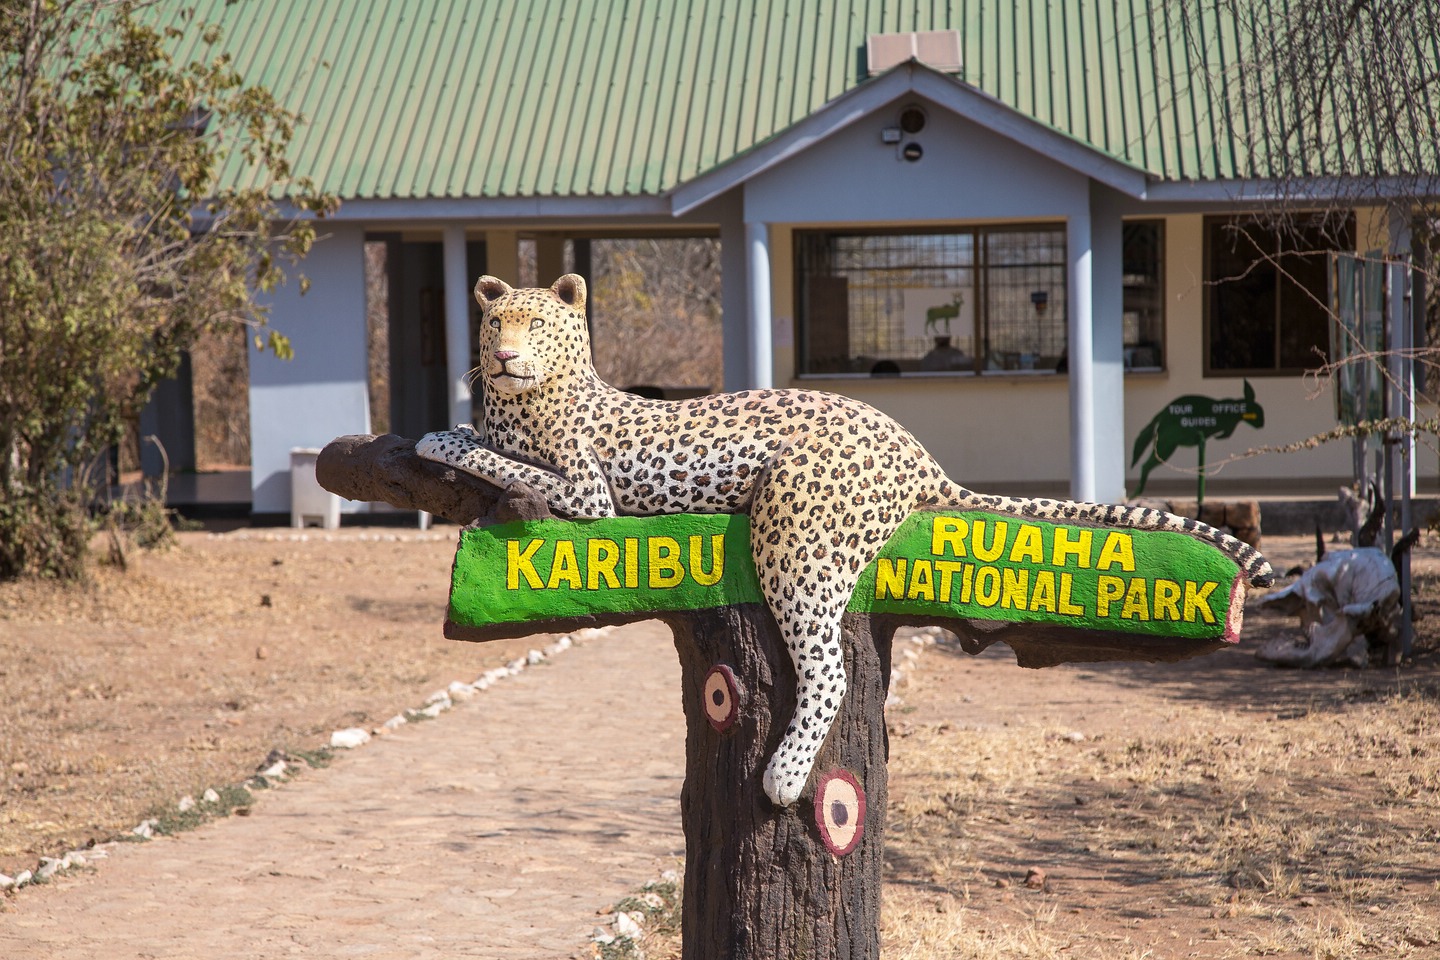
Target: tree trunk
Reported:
[(761, 882)]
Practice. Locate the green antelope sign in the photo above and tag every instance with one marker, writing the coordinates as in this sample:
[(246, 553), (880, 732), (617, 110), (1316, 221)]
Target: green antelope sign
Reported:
[(939, 565)]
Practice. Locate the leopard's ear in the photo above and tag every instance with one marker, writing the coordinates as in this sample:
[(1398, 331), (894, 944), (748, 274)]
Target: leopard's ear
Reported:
[(571, 290), (488, 288)]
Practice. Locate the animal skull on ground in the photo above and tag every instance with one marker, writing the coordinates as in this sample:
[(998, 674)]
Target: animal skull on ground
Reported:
[(1347, 600)]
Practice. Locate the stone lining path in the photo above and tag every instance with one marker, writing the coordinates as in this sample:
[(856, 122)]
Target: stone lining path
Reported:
[(497, 831)]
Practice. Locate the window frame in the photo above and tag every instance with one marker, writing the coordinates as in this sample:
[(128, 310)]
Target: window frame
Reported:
[(1162, 342), (1208, 283), (979, 285)]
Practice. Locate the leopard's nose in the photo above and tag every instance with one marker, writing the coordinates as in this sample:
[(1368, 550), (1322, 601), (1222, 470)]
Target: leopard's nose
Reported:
[(503, 355)]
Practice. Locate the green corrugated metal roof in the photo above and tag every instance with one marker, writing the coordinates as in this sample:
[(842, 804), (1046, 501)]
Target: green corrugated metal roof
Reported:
[(561, 98)]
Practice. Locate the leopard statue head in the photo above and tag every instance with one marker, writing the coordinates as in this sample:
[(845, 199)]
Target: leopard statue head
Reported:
[(532, 337)]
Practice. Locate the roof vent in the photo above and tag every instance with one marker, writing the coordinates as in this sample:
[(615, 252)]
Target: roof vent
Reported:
[(939, 49)]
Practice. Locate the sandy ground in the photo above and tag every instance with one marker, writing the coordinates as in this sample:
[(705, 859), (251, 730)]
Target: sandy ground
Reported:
[(1167, 805), (124, 694), (1216, 808)]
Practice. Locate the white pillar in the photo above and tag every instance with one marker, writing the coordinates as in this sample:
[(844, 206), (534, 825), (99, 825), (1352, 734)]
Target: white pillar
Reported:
[(458, 283), (1107, 332), (1081, 363), (760, 373)]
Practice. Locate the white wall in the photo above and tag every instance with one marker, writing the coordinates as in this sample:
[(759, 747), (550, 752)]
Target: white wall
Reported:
[(1009, 434), (1295, 407), (321, 393), (1001, 433), (967, 173)]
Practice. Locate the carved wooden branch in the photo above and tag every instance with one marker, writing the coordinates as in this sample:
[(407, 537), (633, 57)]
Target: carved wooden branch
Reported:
[(386, 469)]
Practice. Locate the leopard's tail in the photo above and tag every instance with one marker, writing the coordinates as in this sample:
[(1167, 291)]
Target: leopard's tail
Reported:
[(1257, 569)]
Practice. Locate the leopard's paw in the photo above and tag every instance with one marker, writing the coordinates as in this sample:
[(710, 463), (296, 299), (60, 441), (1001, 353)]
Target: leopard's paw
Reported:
[(782, 787), (443, 446)]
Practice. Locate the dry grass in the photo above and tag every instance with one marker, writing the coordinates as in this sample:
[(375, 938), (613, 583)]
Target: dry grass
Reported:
[(1308, 834)]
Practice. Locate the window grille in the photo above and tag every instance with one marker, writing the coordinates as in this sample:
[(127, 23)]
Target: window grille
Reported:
[(972, 300)]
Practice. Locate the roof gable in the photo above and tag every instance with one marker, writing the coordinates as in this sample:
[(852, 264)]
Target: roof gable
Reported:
[(919, 80)]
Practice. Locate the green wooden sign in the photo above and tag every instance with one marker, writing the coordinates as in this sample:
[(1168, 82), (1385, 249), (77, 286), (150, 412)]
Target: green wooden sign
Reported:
[(559, 569), (938, 565)]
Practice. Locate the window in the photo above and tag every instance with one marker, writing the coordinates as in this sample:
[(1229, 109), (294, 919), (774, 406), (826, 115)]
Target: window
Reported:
[(1267, 293), (1143, 315), (963, 301)]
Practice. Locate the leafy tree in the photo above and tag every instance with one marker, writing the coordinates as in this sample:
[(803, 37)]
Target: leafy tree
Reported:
[(120, 244)]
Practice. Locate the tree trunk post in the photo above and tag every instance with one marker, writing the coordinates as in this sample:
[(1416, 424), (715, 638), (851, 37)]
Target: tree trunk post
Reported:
[(761, 882)]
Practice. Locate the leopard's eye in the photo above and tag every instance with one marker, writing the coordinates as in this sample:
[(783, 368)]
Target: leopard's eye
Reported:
[(537, 322), (495, 322)]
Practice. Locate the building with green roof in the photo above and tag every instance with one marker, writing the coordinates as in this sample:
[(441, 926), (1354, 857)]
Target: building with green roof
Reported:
[(999, 222)]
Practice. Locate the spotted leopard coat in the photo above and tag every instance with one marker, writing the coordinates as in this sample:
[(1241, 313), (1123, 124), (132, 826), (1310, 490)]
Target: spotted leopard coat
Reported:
[(825, 479)]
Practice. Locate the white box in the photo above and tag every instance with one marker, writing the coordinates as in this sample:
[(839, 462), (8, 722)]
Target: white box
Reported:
[(309, 500)]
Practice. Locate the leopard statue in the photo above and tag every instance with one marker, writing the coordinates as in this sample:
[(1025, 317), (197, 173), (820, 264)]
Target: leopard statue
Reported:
[(824, 479)]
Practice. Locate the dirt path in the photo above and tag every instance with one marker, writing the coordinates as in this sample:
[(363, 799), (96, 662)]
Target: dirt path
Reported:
[(497, 831)]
